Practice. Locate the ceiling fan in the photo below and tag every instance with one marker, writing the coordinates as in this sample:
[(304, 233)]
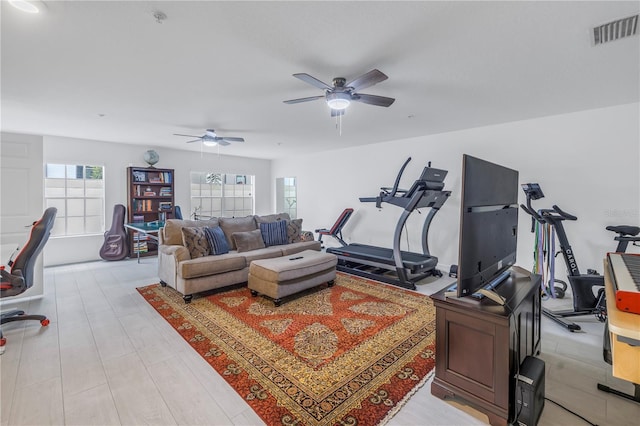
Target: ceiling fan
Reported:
[(210, 138), (343, 93)]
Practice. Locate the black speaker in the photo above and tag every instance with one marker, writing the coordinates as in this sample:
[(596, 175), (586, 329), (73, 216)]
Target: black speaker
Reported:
[(530, 391)]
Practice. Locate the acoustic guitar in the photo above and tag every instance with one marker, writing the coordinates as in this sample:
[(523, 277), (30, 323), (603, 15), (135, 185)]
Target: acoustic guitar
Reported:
[(116, 243)]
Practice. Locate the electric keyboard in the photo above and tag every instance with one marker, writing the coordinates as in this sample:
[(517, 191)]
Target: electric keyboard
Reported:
[(625, 268)]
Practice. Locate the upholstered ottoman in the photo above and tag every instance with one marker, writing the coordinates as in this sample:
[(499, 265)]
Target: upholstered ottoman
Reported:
[(283, 276)]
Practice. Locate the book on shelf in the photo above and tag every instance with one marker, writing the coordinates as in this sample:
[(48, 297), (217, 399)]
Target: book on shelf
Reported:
[(138, 218), (141, 249), (142, 205), (149, 194), (164, 205)]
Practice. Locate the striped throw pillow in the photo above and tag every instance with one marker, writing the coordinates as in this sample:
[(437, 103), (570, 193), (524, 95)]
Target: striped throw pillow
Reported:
[(217, 241), (274, 233)]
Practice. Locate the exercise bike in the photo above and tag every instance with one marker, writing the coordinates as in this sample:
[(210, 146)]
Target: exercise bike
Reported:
[(586, 300)]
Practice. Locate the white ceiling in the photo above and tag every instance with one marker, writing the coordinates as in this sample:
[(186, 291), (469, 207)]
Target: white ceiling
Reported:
[(229, 66)]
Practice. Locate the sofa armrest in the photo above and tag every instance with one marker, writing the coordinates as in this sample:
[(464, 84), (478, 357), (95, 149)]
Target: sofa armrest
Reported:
[(179, 252)]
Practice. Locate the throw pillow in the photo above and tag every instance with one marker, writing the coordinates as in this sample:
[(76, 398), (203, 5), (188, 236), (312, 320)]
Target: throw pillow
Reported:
[(272, 217), (248, 240), (173, 229), (230, 225), (217, 241), (274, 233), (195, 241), (294, 230)]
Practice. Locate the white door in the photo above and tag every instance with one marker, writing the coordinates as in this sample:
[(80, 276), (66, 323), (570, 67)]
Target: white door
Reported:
[(21, 198)]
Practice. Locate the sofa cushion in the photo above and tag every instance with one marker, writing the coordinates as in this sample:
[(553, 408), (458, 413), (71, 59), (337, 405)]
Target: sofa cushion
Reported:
[(217, 241), (248, 240), (211, 265), (272, 218), (173, 229), (195, 240), (230, 225), (301, 246), (264, 253), (274, 233), (294, 230)]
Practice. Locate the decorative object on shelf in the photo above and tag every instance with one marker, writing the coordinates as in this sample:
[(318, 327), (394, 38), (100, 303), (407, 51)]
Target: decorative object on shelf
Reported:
[(139, 176), (151, 157)]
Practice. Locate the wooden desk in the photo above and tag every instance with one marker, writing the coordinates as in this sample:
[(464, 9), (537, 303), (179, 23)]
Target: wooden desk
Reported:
[(624, 335)]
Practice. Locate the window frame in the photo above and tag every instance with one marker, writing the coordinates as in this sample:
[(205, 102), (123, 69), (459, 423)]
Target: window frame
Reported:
[(62, 225), (225, 193)]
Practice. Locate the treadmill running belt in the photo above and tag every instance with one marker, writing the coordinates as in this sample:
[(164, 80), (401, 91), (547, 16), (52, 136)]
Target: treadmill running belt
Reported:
[(411, 261)]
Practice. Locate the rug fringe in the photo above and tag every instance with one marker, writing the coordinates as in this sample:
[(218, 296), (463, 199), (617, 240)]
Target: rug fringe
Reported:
[(406, 398)]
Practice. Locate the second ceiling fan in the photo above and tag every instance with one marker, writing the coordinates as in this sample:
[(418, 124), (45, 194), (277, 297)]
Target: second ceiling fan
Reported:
[(342, 93), (210, 138)]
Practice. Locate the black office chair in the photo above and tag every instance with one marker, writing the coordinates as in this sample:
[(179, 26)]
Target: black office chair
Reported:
[(336, 229), (21, 276)]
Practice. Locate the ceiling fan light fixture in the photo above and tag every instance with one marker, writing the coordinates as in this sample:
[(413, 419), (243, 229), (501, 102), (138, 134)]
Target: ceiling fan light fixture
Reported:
[(25, 6), (338, 100), (209, 143)]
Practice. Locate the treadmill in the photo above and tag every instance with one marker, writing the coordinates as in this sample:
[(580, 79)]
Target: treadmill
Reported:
[(379, 263)]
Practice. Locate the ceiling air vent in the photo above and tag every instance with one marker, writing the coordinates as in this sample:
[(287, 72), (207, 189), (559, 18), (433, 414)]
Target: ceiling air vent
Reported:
[(615, 30)]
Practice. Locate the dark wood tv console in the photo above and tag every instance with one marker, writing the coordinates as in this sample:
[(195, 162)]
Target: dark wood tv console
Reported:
[(480, 344)]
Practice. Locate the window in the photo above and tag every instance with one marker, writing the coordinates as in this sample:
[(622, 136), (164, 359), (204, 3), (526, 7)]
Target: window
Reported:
[(78, 194), (221, 195), (286, 198)]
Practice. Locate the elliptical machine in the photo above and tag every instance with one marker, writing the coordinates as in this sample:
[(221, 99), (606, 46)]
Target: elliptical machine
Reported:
[(585, 300)]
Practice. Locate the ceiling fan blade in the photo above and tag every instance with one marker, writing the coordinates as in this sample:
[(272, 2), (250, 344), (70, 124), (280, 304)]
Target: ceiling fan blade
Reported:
[(195, 140), (190, 136), (226, 139), (297, 101), (367, 80), (337, 112), (372, 99), (312, 81), (222, 142)]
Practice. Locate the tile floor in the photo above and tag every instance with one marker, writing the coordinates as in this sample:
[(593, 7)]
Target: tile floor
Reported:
[(107, 358)]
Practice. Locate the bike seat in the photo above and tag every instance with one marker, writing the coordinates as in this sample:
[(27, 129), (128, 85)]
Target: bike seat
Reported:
[(625, 230)]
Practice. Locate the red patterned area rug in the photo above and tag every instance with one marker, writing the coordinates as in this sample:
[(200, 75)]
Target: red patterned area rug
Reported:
[(350, 354)]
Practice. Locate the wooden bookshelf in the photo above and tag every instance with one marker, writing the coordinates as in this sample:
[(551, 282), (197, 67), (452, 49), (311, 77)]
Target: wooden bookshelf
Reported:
[(150, 192)]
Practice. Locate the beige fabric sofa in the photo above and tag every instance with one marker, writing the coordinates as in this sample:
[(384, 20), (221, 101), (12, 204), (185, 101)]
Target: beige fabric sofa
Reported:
[(177, 268)]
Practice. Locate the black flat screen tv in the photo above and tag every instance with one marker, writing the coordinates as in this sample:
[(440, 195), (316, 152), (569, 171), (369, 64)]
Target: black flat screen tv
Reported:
[(488, 224)]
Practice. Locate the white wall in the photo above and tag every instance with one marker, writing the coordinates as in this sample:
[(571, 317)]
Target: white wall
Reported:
[(116, 158), (586, 163)]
